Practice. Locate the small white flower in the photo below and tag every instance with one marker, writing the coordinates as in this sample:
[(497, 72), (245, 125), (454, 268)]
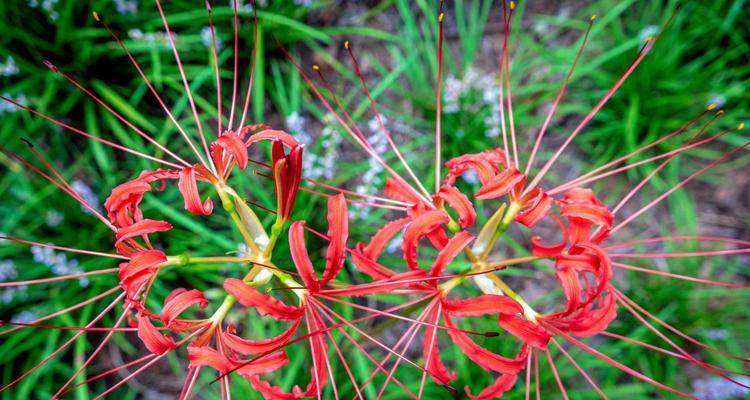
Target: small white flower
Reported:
[(7, 270), (87, 194), (9, 67), (54, 218)]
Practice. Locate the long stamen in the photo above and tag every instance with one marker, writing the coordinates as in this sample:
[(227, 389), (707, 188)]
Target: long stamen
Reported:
[(95, 352), (560, 94), (188, 92), (379, 118), (365, 146), (62, 185), (310, 329), (146, 366), (215, 49), (370, 338), (109, 372), (574, 182), (557, 376), (438, 99), (150, 86), (236, 24), (64, 346), (252, 65), (343, 361), (626, 303), (615, 363), (428, 358), (114, 113), (64, 311), (639, 163), (676, 238), (677, 331), (411, 332), (88, 135), (62, 248), (664, 163), (679, 185), (580, 370), (665, 351), (58, 278), (508, 93), (403, 318), (629, 70), (677, 276)]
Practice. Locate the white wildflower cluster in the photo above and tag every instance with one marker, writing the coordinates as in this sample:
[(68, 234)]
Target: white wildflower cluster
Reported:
[(54, 218), (718, 388), (87, 194), (207, 38), (8, 294), (458, 93), (295, 124), (371, 179), (58, 263), (24, 317), (7, 107), (126, 6), (7, 270), (48, 6), (152, 37), (9, 67), (319, 164)]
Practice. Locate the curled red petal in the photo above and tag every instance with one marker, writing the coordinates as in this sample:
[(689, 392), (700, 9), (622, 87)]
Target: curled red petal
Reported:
[(189, 188), (269, 391), (263, 365), (568, 279), (482, 305), (383, 236), (204, 356), (250, 297), (141, 228), (526, 331), (454, 246), (535, 208), (272, 134), (369, 266), (431, 351), (502, 384), (338, 231), (155, 341), (421, 226), (139, 269), (232, 144), (300, 256), (245, 346), (596, 214), (178, 301), (483, 357), (541, 250), (459, 202), (501, 184), (319, 370), (485, 164), (399, 190)]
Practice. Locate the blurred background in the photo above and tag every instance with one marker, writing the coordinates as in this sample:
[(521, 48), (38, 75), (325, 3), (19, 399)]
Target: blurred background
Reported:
[(703, 58)]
